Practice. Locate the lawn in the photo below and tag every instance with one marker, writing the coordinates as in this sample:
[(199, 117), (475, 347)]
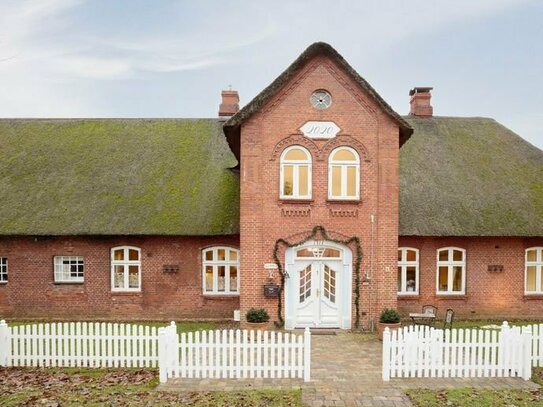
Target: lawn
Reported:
[(120, 387), (182, 326), (472, 397)]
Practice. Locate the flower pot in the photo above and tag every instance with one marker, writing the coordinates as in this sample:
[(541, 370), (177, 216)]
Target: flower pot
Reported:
[(258, 326), (381, 328)]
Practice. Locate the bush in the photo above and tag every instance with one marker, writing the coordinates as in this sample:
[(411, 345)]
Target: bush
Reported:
[(257, 315), (389, 316)]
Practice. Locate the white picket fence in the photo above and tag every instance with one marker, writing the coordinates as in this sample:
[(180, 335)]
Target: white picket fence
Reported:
[(233, 354), (78, 344), (419, 351), (537, 345)]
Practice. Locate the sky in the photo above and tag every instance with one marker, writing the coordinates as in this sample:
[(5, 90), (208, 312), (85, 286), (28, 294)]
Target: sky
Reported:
[(158, 58)]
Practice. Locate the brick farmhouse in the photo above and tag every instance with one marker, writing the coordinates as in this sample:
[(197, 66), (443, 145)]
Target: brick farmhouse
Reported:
[(316, 201)]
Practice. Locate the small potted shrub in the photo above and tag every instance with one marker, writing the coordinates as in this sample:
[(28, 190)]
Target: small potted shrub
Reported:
[(257, 318), (389, 318)]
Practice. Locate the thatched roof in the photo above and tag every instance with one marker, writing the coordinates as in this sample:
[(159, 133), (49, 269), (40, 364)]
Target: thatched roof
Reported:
[(117, 177), (317, 48), (469, 177)]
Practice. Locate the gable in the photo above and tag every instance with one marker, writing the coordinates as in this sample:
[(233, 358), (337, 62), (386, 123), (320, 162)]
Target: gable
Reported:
[(317, 49)]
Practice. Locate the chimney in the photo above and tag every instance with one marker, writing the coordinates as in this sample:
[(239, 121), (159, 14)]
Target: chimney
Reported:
[(230, 103), (420, 102)]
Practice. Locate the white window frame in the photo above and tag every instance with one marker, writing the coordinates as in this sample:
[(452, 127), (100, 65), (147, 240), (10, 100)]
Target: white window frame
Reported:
[(215, 263), (538, 263), (450, 264), (403, 264), (343, 165), (3, 270), (64, 276), (296, 164), (125, 263)]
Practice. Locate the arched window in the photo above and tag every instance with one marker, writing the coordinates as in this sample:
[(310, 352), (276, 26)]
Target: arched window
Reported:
[(344, 174), (451, 271), (408, 271), (295, 176), (125, 269), (220, 270), (534, 270)]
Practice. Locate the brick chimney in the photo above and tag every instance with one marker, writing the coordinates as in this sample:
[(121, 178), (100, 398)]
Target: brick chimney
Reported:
[(420, 102), (230, 103)]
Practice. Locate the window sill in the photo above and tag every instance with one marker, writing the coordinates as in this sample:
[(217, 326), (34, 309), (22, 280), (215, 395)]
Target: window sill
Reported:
[(404, 296), (298, 201), (3, 282), (68, 282), (344, 201), (220, 295), (123, 293), (442, 296), (538, 296)]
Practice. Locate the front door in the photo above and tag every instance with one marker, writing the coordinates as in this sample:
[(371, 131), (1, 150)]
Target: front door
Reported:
[(318, 288)]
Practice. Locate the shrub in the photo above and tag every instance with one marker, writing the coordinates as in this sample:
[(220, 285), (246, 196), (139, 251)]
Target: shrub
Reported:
[(257, 315), (389, 316)]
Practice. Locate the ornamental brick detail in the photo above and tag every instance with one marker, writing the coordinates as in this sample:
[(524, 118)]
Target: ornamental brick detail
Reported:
[(296, 213), (344, 213)]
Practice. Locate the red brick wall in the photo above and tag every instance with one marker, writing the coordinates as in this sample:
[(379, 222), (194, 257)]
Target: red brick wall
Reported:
[(265, 218), (31, 291), (488, 294)]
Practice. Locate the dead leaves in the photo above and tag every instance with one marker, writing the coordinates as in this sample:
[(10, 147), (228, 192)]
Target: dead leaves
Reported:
[(49, 387)]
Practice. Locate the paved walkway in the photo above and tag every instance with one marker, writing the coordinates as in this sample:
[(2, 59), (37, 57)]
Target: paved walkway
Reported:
[(345, 371)]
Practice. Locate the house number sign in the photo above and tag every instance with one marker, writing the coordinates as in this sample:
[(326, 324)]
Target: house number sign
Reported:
[(320, 130)]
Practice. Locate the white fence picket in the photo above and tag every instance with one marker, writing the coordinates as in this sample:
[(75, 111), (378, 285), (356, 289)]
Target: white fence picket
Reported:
[(80, 344), (427, 352)]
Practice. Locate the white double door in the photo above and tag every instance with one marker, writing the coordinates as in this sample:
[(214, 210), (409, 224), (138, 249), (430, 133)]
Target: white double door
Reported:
[(319, 285)]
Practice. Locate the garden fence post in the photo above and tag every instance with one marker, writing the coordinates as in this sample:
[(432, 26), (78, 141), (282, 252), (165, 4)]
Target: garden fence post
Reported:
[(386, 353), (503, 344), (173, 352), (527, 352), (307, 355), (163, 338), (5, 344)]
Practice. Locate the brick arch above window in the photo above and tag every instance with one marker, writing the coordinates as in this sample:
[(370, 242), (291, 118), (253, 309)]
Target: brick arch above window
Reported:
[(346, 141), (296, 139)]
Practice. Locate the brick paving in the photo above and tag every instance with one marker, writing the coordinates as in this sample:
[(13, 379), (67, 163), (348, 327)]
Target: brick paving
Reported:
[(346, 371)]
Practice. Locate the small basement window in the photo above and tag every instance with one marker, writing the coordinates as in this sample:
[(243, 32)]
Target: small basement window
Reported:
[(69, 269), (3, 270)]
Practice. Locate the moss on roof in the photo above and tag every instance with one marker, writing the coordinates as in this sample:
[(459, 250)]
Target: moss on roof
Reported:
[(469, 177), (117, 177)]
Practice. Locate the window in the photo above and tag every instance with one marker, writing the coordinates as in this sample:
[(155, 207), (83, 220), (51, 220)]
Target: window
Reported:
[(68, 269), (534, 270), (125, 269), (221, 270), (295, 173), (451, 271), (344, 174), (3, 270), (408, 271)]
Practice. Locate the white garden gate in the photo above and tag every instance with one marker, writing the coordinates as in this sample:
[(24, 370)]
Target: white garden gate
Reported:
[(421, 351), (234, 354)]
